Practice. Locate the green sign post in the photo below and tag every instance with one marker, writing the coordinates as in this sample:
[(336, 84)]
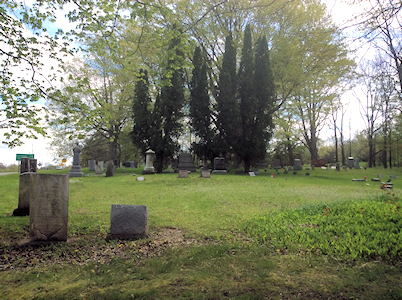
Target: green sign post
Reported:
[(19, 156)]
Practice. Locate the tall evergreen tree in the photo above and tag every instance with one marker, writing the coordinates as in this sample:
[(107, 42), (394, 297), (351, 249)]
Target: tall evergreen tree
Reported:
[(171, 102), (227, 108), (141, 134), (256, 96), (200, 113)]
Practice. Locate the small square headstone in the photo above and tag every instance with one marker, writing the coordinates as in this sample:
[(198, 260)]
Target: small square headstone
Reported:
[(380, 176), (128, 221), (205, 174), (252, 174), (183, 174), (392, 176), (140, 178)]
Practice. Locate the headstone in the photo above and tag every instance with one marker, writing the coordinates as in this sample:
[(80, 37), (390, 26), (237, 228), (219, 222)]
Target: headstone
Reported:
[(91, 165), (358, 179), (375, 179), (109, 168), (101, 165), (351, 162), (307, 174), (128, 221), (183, 174), (33, 165), (130, 164), (48, 208), (205, 174), (140, 178), (318, 162), (149, 164), (357, 166), (25, 165), (277, 164), (312, 167), (186, 162), (338, 166), (324, 168), (297, 165), (252, 174), (345, 168), (392, 176), (76, 168), (290, 169), (219, 166), (121, 164), (380, 176), (333, 167), (97, 170), (24, 195)]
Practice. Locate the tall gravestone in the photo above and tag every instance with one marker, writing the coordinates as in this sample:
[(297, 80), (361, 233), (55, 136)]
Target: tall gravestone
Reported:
[(338, 166), (91, 165), (186, 162), (109, 168), (24, 195), (101, 165), (48, 207), (25, 166), (76, 168), (219, 166), (297, 165), (149, 162), (351, 162), (357, 163)]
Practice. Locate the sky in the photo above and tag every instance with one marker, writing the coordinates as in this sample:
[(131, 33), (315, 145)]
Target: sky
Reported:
[(340, 11)]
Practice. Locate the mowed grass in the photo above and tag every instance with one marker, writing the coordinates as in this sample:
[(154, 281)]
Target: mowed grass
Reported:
[(217, 258)]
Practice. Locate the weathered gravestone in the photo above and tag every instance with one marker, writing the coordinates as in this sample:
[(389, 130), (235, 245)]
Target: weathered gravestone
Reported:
[(128, 221), (312, 167), (149, 162), (76, 168), (338, 166), (24, 195), (33, 165), (380, 176), (91, 165), (297, 165), (101, 165), (357, 166), (277, 164), (186, 163), (345, 168), (48, 208), (25, 166), (109, 168), (205, 174), (351, 162), (252, 174), (392, 176), (219, 166), (97, 170), (183, 174)]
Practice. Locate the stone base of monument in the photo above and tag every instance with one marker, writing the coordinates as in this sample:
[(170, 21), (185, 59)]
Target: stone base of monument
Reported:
[(48, 208), (76, 172), (222, 172), (128, 222), (148, 172)]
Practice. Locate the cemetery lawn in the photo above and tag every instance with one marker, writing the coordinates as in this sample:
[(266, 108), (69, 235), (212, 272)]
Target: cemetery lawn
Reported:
[(228, 237)]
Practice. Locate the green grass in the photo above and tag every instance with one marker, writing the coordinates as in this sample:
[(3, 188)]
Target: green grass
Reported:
[(230, 228)]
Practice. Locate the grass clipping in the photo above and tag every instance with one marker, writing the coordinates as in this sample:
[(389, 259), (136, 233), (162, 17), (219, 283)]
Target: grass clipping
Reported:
[(365, 230)]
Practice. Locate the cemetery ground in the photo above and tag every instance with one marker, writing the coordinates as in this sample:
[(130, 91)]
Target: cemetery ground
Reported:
[(321, 236)]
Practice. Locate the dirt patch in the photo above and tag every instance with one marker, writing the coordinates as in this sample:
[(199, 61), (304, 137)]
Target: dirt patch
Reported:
[(90, 249)]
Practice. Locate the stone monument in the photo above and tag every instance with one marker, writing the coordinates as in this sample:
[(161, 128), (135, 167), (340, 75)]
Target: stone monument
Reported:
[(338, 166), (91, 165), (219, 166), (205, 174), (357, 166), (351, 162), (128, 222), (183, 174), (25, 165), (186, 163), (297, 165), (24, 195), (109, 168), (149, 162), (76, 168), (48, 207)]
